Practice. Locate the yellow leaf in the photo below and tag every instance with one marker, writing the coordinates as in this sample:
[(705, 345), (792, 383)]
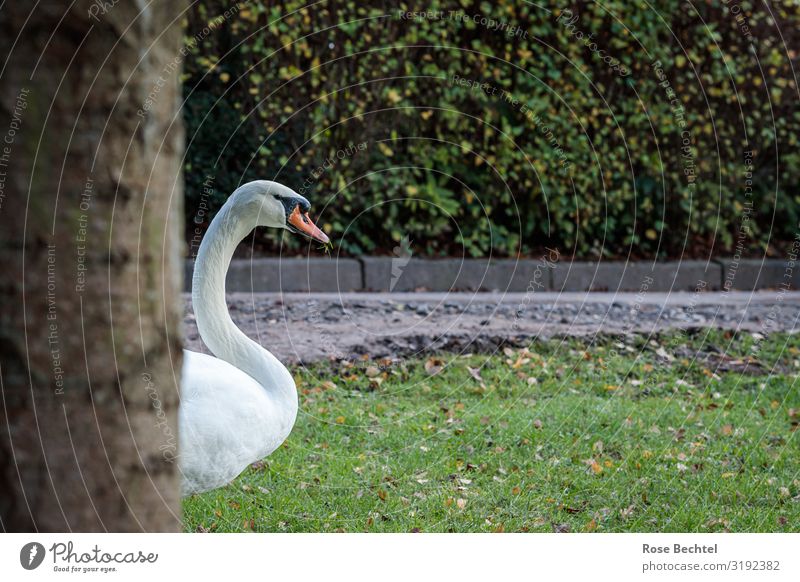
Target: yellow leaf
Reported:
[(394, 96)]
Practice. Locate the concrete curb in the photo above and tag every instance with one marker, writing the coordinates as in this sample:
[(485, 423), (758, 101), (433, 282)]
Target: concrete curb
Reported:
[(753, 274), (397, 275), (408, 274), (289, 275), (637, 276)]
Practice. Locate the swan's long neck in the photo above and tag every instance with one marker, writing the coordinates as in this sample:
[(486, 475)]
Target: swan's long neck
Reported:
[(220, 334)]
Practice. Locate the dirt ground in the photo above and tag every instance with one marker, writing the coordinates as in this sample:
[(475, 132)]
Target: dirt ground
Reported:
[(303, 327)]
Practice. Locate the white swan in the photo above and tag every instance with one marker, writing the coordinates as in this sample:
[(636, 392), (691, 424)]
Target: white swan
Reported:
[(239, 406)]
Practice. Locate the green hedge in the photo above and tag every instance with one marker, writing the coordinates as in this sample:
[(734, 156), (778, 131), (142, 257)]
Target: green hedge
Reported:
[(503, 128)]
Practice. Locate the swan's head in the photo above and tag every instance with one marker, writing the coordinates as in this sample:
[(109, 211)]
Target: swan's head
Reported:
[(279, 206)]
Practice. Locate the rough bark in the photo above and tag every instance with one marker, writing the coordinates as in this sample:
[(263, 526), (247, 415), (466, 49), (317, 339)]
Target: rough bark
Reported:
[(90, 194)]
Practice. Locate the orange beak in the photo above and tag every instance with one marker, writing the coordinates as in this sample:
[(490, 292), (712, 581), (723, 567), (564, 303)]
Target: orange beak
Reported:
[(302, 223)]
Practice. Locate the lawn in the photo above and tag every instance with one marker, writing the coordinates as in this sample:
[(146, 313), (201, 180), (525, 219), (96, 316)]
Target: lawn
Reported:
[(682, 432)]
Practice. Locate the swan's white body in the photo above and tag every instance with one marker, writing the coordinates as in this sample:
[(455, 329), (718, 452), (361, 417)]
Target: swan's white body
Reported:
[(227, 421), (239, 406)]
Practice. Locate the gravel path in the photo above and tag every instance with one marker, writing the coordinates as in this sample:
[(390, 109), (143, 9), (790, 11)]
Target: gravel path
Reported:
[(303, 327)]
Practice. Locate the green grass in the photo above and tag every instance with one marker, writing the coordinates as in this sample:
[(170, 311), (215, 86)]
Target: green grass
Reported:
[(610, 437)]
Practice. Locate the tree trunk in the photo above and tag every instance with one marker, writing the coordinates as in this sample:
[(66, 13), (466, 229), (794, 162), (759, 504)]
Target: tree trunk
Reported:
[(91, 191)]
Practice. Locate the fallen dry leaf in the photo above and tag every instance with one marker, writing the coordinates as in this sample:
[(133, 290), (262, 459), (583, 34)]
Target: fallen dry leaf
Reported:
[(433, 366), (662, 353), (475, 373)]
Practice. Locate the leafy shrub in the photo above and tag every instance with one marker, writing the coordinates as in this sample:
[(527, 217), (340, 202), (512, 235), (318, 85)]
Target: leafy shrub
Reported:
[(572, 141)]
